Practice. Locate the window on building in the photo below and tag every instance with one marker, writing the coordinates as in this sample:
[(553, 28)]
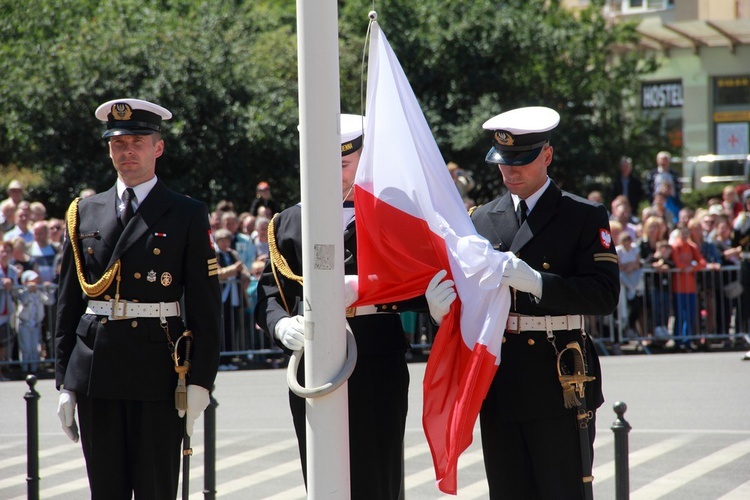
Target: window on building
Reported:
[(732, 90)]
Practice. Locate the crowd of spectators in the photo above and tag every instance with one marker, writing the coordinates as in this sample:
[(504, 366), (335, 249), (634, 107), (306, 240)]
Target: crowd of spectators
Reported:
[(683, 271), (31, 244)]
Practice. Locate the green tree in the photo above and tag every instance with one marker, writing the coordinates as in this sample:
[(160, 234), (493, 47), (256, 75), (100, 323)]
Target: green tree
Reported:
[(227, 69)]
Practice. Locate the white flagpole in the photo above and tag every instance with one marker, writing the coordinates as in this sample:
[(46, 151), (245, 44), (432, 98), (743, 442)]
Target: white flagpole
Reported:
[(323, 245)]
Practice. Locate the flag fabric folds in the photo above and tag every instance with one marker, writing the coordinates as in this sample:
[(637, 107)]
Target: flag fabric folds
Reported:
[(411, 223)]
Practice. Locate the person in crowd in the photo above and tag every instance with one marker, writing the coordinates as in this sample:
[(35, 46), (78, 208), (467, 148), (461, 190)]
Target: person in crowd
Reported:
[(132, 255), (660, 208), (225, 206), (622, 212), (531, 441), (684, 216), (631, 275), (261, 238), (708, 290), (214, 220), (462, 179), (730, 202), (662, 173), (234, 278), (7, 215), (264, 198), (37, 211), (42, 252), (247, 224), (56, 232), (731, 260), (378, 387), (15, 191), (626, 184), (32, 300), (660, 293), (256, 334), (241, 243), (86, 192), (22, 260), (8, 280), (23, 217), (688, 259), (596, 196)]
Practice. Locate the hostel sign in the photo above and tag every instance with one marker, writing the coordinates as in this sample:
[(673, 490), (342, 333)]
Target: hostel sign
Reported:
[(660, 95)]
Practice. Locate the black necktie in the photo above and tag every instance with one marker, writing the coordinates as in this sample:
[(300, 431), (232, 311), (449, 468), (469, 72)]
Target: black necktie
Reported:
[(127, 209), (521, 213)]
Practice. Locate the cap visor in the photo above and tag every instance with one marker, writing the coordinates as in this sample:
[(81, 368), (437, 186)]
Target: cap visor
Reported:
[(512, 158), (126, 131)]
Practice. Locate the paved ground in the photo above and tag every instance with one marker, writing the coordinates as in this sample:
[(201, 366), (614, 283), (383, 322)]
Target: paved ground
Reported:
[(690, 437)]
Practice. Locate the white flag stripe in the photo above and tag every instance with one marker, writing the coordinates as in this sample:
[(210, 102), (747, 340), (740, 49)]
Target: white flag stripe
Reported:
[(684, 475)]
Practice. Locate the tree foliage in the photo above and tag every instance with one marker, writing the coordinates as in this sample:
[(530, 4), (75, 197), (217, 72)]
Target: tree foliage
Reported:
[(227, 70)]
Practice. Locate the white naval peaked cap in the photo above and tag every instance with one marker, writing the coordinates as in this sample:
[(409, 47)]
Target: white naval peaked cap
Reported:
[(519, 134), (352, 131), (129, 116)]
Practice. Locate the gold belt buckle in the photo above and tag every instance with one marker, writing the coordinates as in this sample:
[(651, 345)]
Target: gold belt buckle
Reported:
[(351, 311), (113, 312)]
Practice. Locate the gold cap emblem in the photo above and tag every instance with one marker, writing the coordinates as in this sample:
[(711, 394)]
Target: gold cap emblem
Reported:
[(504, 138), (121, 111)]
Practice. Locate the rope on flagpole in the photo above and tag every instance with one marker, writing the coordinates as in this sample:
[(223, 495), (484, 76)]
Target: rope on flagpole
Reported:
[(328, 387)]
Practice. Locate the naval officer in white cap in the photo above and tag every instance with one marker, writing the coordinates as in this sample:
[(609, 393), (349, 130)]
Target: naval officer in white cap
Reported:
[(565, 267), (134, 255)]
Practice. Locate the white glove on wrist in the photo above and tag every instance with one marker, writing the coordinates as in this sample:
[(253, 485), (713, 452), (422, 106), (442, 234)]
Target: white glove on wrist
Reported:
[(197, 401), (351, 289), (440, 296), (291, 332), (66, 411), (522, 277)]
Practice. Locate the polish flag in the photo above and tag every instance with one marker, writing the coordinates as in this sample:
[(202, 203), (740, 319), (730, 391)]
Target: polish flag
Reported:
[(411, 223)]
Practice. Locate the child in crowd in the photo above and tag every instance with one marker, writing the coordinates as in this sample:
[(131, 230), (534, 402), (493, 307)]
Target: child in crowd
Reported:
[(630, 279), (687, 258), (31, 300), (661, 261)]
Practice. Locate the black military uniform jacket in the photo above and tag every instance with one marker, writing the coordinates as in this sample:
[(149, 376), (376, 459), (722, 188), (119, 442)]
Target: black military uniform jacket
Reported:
[(166, 252), (566, 238)]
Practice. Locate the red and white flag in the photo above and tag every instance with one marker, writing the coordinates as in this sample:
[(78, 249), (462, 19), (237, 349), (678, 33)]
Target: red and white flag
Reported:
[(411, 223)]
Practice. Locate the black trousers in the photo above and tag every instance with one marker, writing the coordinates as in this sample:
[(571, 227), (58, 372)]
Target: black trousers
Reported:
[(534, 460), (131, 447), (378, 403)]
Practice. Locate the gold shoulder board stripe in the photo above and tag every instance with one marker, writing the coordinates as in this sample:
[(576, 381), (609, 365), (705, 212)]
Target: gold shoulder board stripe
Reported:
[(213, 272), (212, 261), (605, 257)]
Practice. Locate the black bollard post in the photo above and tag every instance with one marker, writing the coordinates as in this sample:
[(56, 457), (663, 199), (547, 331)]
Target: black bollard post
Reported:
[(209, 460), (32, 439), (621, 428)]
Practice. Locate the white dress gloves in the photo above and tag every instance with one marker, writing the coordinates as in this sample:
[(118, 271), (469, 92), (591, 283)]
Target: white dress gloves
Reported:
[(197, 401), (440, 296), (522, 277), (351, 289), (291, 332), (66, 411)]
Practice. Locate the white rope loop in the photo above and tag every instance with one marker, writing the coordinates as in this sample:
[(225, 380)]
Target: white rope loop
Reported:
[(328, 387)]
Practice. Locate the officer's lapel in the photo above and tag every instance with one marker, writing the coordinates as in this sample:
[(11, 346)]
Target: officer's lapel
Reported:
[(109, 227), (156, 203), (504, 223), (539, 217)]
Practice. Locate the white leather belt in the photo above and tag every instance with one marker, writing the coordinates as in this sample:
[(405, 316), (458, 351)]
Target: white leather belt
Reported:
[(123, 309), (364, 311), (518, 323)]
